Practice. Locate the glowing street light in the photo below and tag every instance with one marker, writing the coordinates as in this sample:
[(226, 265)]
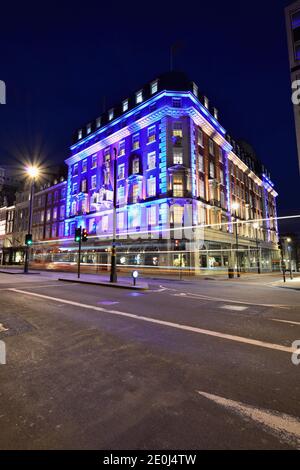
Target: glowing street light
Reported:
[(32, 171)]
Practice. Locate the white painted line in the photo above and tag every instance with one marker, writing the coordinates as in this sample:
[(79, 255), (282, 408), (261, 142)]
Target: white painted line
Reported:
[(2, 328), (237, 308), (283, 426), (286, 321), (218, 299), (179, 326)]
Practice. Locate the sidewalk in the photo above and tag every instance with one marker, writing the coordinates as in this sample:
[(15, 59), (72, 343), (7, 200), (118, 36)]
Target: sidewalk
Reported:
[(100, 280)]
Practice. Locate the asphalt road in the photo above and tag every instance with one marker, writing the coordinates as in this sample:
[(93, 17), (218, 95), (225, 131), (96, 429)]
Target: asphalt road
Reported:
[(186, 365)]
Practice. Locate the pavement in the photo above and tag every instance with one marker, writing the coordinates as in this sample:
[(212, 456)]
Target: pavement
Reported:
[(197, 364)]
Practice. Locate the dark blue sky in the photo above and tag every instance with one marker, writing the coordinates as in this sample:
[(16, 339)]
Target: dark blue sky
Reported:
[(60, 61)]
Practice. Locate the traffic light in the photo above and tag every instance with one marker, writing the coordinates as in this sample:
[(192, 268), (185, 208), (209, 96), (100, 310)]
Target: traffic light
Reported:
[(84, 235), (77, 234), (179, 245), (176, 245), (28, 239)]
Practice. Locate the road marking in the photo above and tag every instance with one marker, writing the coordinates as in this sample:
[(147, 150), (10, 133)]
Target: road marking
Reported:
[(238, 308), (179, 326), (218, 299), (286, 321), (283, 426), (108, 302), (2, 328)]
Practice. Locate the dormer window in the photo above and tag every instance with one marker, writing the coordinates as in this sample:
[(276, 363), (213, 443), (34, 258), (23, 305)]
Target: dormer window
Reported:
[(125, 106), (216, 113), (98, 122), (89, 128), (206, 102), (154, 87), (139, 96), (195, 89), (110, 114), (80, 134)]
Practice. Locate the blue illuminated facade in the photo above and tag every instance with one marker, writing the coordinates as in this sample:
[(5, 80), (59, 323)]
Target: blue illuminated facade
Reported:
[(177, 172)]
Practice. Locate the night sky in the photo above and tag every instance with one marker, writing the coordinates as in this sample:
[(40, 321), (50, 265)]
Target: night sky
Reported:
[(63, 61)]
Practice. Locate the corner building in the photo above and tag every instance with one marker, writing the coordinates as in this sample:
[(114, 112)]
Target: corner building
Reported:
[(178, 175)]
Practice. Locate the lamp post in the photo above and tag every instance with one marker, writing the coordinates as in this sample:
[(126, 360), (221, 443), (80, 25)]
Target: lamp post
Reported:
[(113, 267), (256, 226), (32, 172), (290, 256), (235, 206)]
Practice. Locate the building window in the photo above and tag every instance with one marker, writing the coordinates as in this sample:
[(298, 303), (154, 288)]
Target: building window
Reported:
[(74, 208), (151, 187), (54, 213), (122, 148), (62, 212), (75, 188), (105, 223), (134, 217), (177, 129), (211, 170), (220, 155), (163, 213), (84, 166), (107, 154), (98, 122), (216, 113), (136, 141), (206, 102), (177, 156), (177, 214), (151, 160), (121, 171), (176, 102), (80, 134), (151, 215), (83, 186), (110, 114), (94, 181), (94, 161), (121, 194), (200, 137), (75, 169), (135, 192), (139, 96), (124, 106), (135, 166), (89, 128), (48, 215), (151, 134), (201, 163), (211, 146), (63, 193), (201, 189), (222, 177), (42, 217), (120, 220), (154, 87), (177, 186)]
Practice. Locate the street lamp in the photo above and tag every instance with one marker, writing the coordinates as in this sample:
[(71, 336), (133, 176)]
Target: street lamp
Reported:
[(113, 267), (32, 172), (256, 227), (235, 206), (289, 240)]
